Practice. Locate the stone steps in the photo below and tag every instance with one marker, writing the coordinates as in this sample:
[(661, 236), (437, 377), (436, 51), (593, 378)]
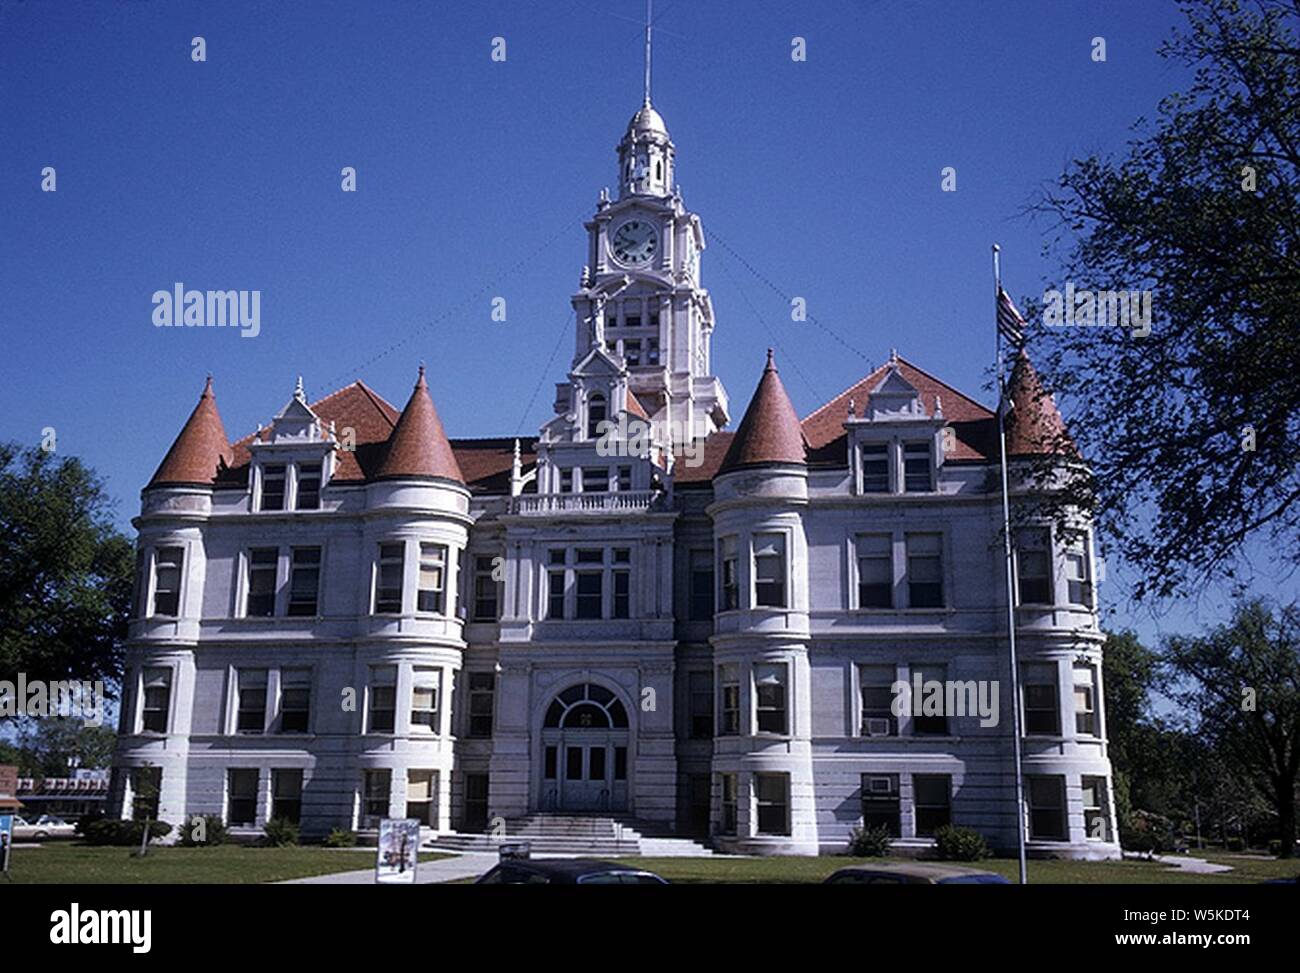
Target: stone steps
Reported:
[(573, 834)]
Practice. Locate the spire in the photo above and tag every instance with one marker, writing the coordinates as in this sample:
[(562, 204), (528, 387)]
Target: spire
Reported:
[(770, 432), (1034, 425), (299, 392), (649, 27), (201, 449), (417, 446)]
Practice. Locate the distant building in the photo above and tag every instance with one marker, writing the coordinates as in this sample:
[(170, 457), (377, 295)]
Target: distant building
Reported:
[(85, 792), (347, 615)]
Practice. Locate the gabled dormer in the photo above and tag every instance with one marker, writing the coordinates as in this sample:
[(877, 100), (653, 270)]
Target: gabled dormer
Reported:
[(292, 459), (895, 445)]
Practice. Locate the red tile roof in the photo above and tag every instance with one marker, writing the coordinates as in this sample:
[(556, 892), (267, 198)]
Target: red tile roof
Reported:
[(418, 446), (715, 451), (974, 427), (770, 431), (1035, 426), (201, 452), (486, 463), (635, 407)]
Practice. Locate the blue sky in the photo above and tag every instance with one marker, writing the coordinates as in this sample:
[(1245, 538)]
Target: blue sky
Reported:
[(474, 177)]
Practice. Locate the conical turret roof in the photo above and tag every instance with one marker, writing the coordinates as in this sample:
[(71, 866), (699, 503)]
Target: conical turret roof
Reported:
[(200, 451), (770, 431), (418, 445)]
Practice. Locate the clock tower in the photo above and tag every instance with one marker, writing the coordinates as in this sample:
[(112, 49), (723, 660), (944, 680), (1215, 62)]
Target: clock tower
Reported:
[(640, 298)]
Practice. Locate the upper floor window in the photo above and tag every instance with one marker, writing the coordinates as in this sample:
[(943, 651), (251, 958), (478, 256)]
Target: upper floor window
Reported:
[(925, 570), (877, 691), (274, 480), (701, 593), (589, 583), (770, 697), (769, 571), (308, 497), (485, 589), (632, 352), (929, 723), (621, 606), (263, 564), (566, 479), (917, 467), (596, 414), (730, 574), (304, 581), (388, 578), (652, 351), (1085, 701), (250, 709), (482, 690), (875, 571), (432, 593), (1034, 566), (426, 682), (875, 468), (295, 700), (729, 700), (157, 700), (700, 688), (167, 581), (382, 709), (1041, 698), (595, 479), (1078, 586), (623, 481)]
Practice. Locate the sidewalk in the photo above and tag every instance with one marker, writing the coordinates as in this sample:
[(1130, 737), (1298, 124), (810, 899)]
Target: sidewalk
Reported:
[(468, 865)]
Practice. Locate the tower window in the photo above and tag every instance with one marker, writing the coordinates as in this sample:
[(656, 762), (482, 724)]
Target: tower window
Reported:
[(596, 414), (632, 353), (633, 320), (167, 581), (652, 351)]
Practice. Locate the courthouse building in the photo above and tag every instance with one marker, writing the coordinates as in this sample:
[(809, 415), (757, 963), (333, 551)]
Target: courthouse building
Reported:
[(640, 613)]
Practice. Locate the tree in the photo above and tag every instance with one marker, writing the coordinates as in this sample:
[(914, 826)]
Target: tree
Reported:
[(1192, 433), (65, 571), (1240, 683), (54, 746)]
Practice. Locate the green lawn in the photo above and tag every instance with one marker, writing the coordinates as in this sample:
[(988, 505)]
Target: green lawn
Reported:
[(76, 864), (794, 870)]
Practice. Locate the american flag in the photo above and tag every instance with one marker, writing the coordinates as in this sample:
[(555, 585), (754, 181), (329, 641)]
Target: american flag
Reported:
[(1010, 323)]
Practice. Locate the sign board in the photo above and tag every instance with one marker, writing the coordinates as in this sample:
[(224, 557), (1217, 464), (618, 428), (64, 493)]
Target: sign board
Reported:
[(399, 851), (6, 839)]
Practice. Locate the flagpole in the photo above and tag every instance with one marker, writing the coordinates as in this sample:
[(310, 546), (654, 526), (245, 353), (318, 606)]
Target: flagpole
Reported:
[(1010, 572)]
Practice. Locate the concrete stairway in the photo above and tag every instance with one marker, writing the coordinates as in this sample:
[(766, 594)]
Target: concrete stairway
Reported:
[(593, 836)]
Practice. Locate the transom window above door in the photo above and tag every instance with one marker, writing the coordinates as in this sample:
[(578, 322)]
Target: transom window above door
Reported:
[(586, 706)]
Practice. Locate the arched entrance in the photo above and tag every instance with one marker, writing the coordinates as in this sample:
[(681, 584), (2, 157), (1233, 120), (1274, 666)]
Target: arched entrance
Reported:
[(585, 751)]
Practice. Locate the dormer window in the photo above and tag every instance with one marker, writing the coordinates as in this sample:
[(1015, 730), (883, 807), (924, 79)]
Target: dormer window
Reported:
[(916, 467), (596, 414), (308, 497), (273, 486), (875, 468)]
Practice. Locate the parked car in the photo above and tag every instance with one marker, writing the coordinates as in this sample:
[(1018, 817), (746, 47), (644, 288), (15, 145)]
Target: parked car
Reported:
[(914, 873), (46, 826), (567, 871)]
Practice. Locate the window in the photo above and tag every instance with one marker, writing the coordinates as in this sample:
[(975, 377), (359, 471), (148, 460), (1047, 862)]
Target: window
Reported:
[(916, 467), (388, 579), (729, 700), (241, 797), (263, 563), (730, 577), (421, 791), (875, 571), (424, 698), (433, 579), (383, 699), (286, 795), (875, 468), (701, 596), (485, 589), (1034, 566), (924, 571), (250, 715), (773, 794), (770, 697), (308, 486), (1078, 586), (632, 350), (146, 786), (273, 487), (1096, 822), (622, 593), (595, 479), (304, 581), (482, 690), (700, 690), (633, 320), (729, 790), (769, 570), (928, 721), (157, 700), (589, 593), (596, 414), (1085, 702), (1046, 808), (931, 798), (295, 700), (876, 686), (880, 804), (652, 351), (624, 480), (167, 581), (555, 594), (1040, 689), (376, 788)]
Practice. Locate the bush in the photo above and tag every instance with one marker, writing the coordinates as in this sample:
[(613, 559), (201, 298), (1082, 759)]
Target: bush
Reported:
[(280, 833), (87, 819), (123, 833), (954, 844), (341, 838), (869, 842), (213, 832), (1235, 844)]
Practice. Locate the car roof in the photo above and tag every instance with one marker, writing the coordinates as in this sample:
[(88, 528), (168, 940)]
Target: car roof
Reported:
[(567, 866), (917, 869)]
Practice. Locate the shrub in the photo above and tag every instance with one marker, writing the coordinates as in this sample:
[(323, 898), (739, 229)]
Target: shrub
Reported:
[(87, 819), (869, 842), (341, 838), (280, 833), (955, 844), (1235, 844), (213, 832), (123, 833)]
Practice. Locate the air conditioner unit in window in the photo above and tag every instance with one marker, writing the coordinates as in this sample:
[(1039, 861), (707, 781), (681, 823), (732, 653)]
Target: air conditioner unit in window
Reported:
[(880, 785), (879, 727)]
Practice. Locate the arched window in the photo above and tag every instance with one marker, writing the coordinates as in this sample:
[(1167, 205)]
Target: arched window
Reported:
[(586, 706), (596, 414)]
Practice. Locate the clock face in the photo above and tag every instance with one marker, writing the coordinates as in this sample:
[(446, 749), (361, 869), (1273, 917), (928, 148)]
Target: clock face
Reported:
[(635, 242)]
